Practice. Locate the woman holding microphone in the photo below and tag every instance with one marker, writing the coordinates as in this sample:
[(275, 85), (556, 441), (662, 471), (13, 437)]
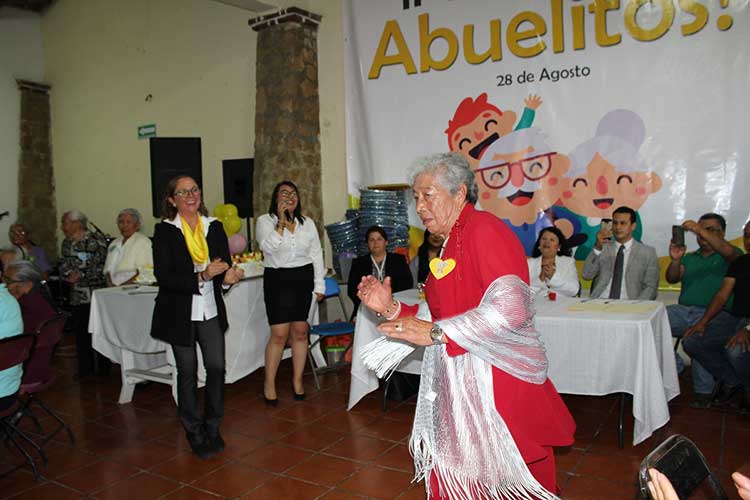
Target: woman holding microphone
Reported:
[(294, 270), (191, 264)]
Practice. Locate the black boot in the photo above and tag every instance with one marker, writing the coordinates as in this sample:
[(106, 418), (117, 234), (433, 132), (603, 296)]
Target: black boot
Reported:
[(725, 394)]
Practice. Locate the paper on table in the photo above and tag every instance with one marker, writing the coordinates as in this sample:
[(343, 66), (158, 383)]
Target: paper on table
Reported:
[(613, 306)]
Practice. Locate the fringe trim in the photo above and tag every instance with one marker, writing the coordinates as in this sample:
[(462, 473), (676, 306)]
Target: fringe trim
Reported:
[(383, 355), (458, 487)]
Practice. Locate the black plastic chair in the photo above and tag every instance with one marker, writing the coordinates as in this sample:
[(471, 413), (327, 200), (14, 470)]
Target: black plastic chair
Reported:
[(14, 351), (39, 375)]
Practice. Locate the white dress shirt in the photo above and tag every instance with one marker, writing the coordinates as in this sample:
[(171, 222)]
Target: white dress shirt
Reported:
[(623, 289), (564, 281), (204, 303), (289, 249)]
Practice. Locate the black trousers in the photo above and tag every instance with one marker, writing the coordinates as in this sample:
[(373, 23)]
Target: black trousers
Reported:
[(209, 336), (89, 361)]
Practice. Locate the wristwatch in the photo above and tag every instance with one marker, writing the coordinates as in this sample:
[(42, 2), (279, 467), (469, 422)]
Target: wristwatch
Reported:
[(436, 334)]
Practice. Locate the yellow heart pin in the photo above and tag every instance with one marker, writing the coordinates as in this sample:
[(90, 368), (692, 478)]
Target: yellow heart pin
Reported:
[(442, 268)]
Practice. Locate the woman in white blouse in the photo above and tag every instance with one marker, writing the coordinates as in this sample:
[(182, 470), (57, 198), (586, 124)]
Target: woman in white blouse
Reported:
[(130, 252), (294, 271), (551, 269)]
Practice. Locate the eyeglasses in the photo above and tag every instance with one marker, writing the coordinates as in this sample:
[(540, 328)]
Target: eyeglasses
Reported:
[(533, 168), (288, 194), (194, 191)]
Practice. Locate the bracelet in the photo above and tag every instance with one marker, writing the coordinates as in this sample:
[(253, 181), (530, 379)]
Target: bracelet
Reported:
[(395, 307), (202, 277)]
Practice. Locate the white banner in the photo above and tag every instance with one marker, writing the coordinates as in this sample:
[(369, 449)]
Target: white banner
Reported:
[(567, 109)]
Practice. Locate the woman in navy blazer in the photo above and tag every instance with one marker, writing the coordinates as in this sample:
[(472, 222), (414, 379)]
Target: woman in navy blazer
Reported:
[(191, 265)]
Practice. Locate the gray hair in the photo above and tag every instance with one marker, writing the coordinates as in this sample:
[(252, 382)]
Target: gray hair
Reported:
[(619, 135), (77, 216), (516, 141), (135, 214), (451, 170), (25, 271)]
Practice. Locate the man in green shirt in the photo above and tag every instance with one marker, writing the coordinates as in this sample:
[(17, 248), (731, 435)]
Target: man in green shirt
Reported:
[(701, 273)]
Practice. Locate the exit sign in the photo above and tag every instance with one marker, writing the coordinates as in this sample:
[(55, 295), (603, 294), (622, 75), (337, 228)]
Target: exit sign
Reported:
[(145, 131)]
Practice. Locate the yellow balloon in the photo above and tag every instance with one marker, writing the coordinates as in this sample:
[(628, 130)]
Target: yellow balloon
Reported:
[(230, 210), (231, 224), (416, 238), (220, 211)]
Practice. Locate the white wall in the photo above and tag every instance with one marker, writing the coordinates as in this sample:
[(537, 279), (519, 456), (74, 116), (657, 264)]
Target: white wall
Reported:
[(20, 58), (197, 59)]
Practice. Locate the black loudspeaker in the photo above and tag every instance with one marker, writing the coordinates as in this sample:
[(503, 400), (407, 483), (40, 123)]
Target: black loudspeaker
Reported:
[(238, 185), (170, 157)]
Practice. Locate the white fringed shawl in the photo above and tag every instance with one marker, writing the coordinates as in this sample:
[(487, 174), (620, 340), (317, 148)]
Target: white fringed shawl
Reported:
[(458, 433)]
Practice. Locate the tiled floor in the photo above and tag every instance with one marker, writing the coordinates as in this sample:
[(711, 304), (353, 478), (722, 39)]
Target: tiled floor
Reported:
[(314, 449)]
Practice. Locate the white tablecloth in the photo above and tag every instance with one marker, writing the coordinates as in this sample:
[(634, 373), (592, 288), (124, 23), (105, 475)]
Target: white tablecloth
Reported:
[(120, 323), (363, 380), (590, 353)]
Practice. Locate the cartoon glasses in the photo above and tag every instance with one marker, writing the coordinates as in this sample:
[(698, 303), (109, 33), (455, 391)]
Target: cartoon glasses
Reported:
[(533, 168)]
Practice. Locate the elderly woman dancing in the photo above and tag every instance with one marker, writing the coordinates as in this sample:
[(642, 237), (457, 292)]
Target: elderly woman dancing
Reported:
[(487, 416)]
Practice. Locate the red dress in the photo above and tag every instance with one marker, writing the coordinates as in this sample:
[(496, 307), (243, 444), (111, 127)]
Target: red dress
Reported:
[(484, 249)]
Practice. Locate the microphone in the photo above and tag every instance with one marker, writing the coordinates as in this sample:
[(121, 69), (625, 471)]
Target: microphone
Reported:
[(104, 235), (287, 215)]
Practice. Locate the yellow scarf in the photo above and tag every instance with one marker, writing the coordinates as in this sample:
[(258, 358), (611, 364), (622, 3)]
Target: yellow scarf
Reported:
[(196, 241)]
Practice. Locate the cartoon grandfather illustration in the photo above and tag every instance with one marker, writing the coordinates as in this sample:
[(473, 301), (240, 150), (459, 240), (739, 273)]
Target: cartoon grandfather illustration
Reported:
[(519, 177)]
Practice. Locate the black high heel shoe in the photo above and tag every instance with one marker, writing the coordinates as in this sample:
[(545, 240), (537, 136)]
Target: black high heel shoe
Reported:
[(271, 402), (297, 397)]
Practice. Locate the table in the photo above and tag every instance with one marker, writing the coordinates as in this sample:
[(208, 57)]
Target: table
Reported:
[(591, 353), (363, 380), (120, 324)]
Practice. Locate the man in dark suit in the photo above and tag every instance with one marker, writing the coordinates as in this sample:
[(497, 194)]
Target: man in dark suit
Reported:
[(623, 268)]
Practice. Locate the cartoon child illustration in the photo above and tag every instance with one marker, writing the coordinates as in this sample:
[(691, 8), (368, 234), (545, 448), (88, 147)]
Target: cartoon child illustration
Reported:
[(519, 177), (607, 172), (476, 124)]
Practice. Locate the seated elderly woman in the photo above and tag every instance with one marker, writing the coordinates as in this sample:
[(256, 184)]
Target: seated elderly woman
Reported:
[(128, 253), (551, 268), (10, 326), (380, 263), (26, 249), (25, 283)]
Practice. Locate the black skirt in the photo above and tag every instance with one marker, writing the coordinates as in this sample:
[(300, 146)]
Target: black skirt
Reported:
[(288, 293)]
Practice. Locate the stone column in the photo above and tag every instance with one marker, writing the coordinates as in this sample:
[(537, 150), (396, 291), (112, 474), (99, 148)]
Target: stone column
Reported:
[(36, 180), (287, 123)]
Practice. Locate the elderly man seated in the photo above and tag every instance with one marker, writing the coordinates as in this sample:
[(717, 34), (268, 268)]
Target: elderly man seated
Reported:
[(623, 268), (701, 273), (720, 340), (130, 252)]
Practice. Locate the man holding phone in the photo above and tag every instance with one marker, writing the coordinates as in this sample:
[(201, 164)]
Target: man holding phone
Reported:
[(720, 339), (624, 268), (701, 273)]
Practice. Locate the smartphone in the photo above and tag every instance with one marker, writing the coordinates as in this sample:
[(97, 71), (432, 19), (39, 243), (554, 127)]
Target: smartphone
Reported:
[(685, 466), (607, 226), (678, 236)]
